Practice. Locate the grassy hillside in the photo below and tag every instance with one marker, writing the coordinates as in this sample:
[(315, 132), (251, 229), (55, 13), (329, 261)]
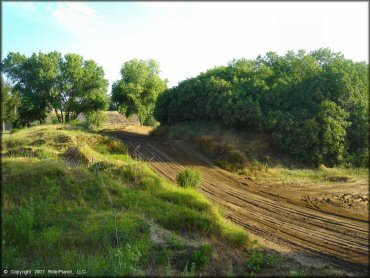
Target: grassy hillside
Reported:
[(60, 189), (253, 154)]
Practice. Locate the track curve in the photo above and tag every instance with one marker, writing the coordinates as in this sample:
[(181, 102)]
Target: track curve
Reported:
[(341, 241)]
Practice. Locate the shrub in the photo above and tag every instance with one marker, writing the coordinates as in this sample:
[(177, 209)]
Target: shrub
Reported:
[(201, 257), (189, 177), (150, 121), (95, 119), (77, 124), (116, 146), (258, 261)]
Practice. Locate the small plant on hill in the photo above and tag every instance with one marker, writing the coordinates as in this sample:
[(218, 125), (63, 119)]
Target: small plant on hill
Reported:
[(189, 177), (201, 257), (258, 261)]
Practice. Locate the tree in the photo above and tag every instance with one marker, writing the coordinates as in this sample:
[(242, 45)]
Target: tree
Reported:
[(9, 103), (333, 121), (137, 90), (68, 84), (81, 88), (33, 78)]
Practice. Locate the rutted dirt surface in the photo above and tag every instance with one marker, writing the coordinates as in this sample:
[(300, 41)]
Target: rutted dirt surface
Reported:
[(310, 235)]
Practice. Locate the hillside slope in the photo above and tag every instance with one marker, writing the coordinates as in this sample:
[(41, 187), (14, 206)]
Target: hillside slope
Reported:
[(76, 200)]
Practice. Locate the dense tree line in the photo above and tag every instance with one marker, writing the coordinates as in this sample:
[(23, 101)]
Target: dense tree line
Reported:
[(41, 83), (315, 105)]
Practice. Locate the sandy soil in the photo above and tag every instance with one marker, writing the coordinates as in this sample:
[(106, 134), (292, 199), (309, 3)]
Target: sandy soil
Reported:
[(117, 120), (292, 220), (350, 199)]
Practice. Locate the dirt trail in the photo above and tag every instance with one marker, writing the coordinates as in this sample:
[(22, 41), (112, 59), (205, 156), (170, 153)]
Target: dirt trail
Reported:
[(309, 234)]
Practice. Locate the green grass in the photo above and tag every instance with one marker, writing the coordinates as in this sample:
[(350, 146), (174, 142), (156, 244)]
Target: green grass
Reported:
[(201, 257), (321, 174), (259, 261), (57, 213), (189, 177)]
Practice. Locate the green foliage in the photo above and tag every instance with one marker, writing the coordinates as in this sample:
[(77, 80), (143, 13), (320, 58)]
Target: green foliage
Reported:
[(95, 119), (9, 103), (137, 90), (67, 84), (201, 257), (189, 177), (333, 122), (315, 105), (258, 261), (189, 270), (150, 121)]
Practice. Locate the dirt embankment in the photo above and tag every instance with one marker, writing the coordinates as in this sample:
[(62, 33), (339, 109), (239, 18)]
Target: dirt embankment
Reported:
[(306, 232)]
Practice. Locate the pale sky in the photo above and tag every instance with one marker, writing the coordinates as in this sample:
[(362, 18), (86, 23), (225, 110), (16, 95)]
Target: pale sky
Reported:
[(185, 38)]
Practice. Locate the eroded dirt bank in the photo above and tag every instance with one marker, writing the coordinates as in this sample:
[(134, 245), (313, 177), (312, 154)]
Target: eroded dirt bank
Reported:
[(310, 235)]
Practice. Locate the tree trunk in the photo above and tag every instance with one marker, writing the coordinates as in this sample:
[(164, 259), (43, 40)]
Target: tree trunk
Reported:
[(73, 116), (58, 117)]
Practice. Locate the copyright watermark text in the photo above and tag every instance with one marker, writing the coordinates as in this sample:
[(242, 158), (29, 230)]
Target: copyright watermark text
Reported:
[(48, 272)]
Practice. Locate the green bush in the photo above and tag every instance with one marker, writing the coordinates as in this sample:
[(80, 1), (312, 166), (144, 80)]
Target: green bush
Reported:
[(95, 119), (150, 121), (189, 177), (201, 257), (77, 124), (258, 261)]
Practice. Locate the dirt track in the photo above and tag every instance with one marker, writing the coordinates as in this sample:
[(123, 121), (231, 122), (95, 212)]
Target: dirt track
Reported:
[(306, 234)]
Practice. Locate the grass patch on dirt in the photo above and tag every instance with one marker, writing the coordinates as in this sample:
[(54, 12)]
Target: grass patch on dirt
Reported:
[(321, 174), (57, 211), (189, 177)]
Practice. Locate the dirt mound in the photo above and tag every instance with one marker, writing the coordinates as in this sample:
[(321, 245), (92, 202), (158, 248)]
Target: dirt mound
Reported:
[(12, 144), (353, 202), (38, 142), (63, 139), (225, 154), (24, 152), (338, 179), (76, 156), (115, 118)]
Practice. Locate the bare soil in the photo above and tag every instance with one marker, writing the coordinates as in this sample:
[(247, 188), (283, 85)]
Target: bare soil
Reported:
[(309, 225)]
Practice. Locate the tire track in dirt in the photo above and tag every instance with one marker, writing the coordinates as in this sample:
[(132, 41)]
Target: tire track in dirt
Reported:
[(342, 241)]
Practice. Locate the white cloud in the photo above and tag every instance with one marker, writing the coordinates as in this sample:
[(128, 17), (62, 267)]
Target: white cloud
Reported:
[(78, 18), (188, 38)]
